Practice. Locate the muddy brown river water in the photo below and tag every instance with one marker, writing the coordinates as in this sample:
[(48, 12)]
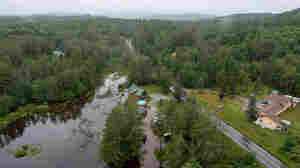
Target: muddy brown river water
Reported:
[(67, 140)]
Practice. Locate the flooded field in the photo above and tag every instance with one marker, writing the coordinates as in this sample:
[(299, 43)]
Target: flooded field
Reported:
[(67, 139)]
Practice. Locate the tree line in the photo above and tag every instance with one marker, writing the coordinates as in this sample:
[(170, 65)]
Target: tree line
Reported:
[(240, 59), (47, 62)]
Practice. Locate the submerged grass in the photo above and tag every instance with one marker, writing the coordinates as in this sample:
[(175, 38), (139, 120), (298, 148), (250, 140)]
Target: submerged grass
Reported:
[(33, 109), (27, 150), (22, 112)]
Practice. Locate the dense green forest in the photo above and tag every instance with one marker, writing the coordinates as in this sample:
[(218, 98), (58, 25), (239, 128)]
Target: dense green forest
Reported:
[(242, 57), (250, 53), (54, 61)]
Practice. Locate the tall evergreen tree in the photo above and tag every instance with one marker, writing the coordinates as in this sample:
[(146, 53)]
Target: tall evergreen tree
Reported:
[(252, 110)]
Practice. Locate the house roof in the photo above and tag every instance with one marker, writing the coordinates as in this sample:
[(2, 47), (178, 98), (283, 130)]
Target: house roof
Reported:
[(139, 92), (277, 104), (58, 53), (132, 88)]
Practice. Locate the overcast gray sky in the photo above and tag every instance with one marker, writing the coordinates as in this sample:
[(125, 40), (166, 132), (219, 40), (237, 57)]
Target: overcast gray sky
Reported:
[(217, 7)]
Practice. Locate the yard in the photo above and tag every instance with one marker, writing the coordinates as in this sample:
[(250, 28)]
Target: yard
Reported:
[(233, 152), (150, 89), (231, 112)]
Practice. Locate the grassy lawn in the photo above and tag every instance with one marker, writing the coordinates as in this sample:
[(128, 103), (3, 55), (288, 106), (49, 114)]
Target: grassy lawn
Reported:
[(236, 152), (233, 114), (153, 89)]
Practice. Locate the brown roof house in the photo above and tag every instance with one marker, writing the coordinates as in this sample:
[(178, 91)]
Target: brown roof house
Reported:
[(270, 108), (274, 105), (174, 54)]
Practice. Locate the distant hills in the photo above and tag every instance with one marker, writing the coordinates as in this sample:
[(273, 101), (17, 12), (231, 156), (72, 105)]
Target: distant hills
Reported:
[(155, 16), (64, 17), (288, 17), (182, 17), (295, 12), (248, 17), (10, 20), (245, 17), (46, 17)]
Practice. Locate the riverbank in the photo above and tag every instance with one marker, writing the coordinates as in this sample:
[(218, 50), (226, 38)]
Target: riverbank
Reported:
[(33, 109), (68, 133), (110, 86)]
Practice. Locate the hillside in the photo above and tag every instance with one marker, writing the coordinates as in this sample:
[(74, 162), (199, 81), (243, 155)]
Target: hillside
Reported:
[(290, 17), (249, 17), (4, 20), (181, 17)]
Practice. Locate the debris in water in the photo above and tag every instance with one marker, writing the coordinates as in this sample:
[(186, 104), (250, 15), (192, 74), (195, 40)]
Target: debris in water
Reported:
[(25, 150)]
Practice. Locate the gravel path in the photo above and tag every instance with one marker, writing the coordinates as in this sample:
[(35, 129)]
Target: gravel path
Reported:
[(152, 142)]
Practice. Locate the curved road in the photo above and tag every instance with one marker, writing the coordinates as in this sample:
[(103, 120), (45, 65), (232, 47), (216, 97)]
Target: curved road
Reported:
[(244, 142), (261, 155)]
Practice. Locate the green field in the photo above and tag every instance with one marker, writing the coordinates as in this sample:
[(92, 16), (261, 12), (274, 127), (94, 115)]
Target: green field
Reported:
[(153, 89), (232, 113)]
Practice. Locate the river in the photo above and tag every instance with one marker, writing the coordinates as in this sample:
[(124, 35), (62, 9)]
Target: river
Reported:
[(67, 140)]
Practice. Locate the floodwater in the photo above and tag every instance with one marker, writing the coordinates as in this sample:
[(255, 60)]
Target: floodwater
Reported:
[(67, 140)]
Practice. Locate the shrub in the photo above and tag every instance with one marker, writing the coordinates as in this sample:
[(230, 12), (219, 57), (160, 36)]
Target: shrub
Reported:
[(39, 91), (22, 90), (20, 153), (67, 83), (291, 148), (192, 164), (53, 92), (245, 162), (7, 103), (7, 75)]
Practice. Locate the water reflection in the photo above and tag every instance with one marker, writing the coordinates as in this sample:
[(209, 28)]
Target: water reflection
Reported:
[(68, 139), (91, 133), (16, 129)]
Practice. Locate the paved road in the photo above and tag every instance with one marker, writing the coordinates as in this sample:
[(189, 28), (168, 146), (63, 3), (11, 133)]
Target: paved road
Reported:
[(261, 155)]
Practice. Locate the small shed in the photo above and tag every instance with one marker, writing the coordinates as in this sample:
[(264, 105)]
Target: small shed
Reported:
[(140, 92), (58, 53), (132, 89)]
